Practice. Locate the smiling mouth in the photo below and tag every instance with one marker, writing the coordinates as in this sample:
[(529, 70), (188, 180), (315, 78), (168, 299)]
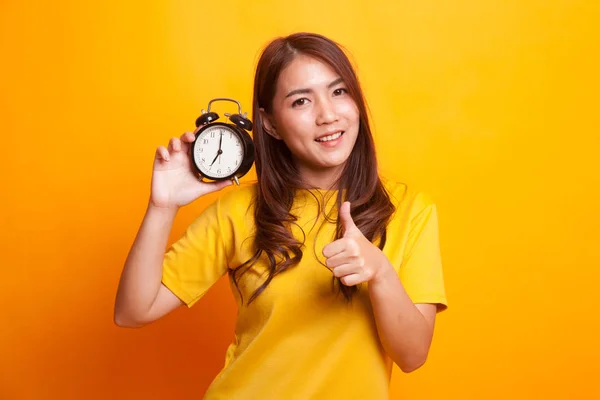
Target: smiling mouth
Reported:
[(330, 137)]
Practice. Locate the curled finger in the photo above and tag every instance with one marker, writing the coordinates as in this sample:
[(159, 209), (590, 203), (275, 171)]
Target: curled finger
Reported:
[(343, 270), (188, 137), (162, 153), (351, 280), (174, 145), (337, 260)]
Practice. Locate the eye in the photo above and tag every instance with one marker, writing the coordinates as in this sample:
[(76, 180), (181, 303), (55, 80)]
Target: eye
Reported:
[(300, 102), (340, 91)]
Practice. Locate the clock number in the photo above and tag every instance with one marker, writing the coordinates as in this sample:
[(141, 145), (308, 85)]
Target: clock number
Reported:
[(228, 169), (218, 171), (212, 134), (205, 141)]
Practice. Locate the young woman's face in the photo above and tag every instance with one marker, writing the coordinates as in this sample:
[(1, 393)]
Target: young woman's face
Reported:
[(314, 115)]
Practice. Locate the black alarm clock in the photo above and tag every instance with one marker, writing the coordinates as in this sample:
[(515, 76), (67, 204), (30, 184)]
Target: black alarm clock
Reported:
[(223, 150)]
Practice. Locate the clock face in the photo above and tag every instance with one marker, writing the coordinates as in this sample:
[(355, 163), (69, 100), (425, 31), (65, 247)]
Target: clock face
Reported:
[(218, 151)]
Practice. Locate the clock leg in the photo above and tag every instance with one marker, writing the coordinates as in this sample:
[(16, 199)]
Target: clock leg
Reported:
[(235, 179)]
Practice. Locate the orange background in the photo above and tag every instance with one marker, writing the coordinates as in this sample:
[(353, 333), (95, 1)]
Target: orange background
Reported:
[(491, 106)]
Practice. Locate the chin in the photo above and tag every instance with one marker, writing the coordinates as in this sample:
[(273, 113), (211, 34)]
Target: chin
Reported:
[(334, 163)]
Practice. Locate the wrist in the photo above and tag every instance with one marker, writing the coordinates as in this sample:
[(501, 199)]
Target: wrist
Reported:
[(162, 211), (383, 273)]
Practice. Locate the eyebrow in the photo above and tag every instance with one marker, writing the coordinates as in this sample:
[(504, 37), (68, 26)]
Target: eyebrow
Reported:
[(304, 91)]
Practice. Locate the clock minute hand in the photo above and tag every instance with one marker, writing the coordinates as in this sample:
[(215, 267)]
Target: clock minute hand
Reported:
[(218, 152)]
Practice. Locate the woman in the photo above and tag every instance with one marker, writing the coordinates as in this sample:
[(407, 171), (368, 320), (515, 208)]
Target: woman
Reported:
[(327, 299)]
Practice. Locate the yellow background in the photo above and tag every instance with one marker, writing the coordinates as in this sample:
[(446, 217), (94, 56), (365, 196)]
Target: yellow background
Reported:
[(491, 106)]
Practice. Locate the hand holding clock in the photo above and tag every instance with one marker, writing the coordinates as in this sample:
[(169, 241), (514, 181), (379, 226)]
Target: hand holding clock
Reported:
[(174, 182)]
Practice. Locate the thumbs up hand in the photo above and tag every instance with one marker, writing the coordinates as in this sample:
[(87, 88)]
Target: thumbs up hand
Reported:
[(353, 258)]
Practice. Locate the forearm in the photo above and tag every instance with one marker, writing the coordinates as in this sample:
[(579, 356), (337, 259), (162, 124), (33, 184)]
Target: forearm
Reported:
[(142, 273), (403, 330)]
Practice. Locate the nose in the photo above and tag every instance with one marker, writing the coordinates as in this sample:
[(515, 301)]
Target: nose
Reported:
[(326, 112)]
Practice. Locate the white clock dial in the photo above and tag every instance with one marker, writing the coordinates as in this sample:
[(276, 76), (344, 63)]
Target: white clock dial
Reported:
[(218, 151)]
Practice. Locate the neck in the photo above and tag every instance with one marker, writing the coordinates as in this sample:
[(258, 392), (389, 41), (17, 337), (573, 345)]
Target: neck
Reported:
[(325, 178)]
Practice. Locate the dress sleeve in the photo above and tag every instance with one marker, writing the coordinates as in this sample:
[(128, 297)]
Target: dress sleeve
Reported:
[(421, 269), (198, 259)]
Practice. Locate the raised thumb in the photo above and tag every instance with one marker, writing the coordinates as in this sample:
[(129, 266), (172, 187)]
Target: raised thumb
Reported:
[(346, 218)]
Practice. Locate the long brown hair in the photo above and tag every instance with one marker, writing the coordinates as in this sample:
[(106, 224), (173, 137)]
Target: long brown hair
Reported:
[(278, 178)]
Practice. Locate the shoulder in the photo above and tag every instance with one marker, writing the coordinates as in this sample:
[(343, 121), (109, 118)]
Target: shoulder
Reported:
[(236, 201), (409, 200), (229, 201), (233, 195), (228, 211)]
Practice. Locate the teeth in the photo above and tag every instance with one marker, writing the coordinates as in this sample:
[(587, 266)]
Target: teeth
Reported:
[(330, 137)]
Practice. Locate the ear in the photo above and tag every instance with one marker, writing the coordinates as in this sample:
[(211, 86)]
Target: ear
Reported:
[(268, 124)]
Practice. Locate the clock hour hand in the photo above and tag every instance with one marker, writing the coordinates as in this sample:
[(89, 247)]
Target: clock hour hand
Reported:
[(217, 156)]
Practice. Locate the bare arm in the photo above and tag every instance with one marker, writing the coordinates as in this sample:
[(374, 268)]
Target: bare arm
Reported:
[(141, 297), (405, 329)]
